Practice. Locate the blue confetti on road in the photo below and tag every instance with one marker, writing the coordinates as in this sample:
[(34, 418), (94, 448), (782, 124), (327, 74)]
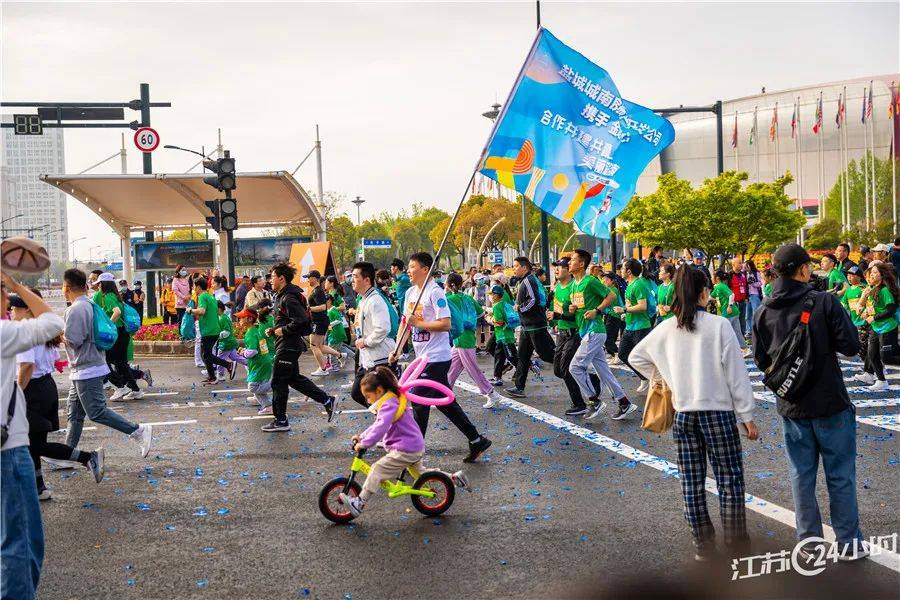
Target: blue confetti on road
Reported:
[(202, 583), (143, 506)]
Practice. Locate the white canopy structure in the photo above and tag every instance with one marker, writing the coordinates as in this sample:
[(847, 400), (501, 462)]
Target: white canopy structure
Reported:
[(161, 201)]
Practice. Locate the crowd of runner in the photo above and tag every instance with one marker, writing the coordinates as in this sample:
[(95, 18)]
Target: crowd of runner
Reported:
[(658, 318)]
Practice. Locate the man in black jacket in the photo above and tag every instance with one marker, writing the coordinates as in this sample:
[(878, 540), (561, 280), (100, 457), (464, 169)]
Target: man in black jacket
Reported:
[(821, 420), (292, 322), (531, 304)]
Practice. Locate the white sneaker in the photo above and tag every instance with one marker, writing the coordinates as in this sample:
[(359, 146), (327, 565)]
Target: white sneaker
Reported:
[(879, 386), (354, 504), (119, 394), (493, 400), (45, 495), (144, 435), (598, 412), (61, 465), (347, 386), (133, 395), (644, 386), (865, 378), (615, 360), (319, 372)]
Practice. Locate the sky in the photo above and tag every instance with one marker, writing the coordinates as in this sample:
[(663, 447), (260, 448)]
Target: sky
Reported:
[(397, 88)]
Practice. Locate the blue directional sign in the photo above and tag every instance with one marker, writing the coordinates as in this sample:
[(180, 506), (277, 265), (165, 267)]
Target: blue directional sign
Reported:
[(495, 257), (114, 266), (376, 244)]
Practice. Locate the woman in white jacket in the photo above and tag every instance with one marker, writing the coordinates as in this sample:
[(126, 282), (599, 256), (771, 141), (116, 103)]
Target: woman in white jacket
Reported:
[(697, 355)]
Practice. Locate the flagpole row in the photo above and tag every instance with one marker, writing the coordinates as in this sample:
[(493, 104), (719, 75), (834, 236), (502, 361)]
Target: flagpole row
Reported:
[(871, 119)]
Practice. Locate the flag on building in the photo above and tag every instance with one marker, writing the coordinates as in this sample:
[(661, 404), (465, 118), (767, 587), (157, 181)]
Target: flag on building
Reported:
[(892, 101), (818, 124), (839, 117), (773, 126), (753, 130), (864, 111), (568, 141), (794, 120), (869, 106), (734, 132)]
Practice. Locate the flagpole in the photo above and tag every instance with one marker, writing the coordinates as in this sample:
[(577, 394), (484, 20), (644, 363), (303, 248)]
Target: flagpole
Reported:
[(872, 159), (892, 153), (756, 140), (841, 161), (821, 167), (844, 154), (800, 172), (864, 160), (734, 144), (777, 170)]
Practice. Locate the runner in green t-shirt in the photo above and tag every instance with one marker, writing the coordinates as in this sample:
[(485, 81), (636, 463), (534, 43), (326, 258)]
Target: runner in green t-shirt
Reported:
[(727, 308), (258, 352), (882, 299), (637, 321), (837, 283), (121, 375), (207, 313), (567, 336), (590, 297), (850, 299), (337, 333), (665, 293), (505, 355)]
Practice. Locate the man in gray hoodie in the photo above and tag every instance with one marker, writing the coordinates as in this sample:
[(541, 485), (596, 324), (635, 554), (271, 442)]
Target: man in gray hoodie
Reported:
[(87, 365)]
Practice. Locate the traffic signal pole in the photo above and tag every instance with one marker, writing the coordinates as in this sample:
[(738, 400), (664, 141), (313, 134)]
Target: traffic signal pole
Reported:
[(148, 170)]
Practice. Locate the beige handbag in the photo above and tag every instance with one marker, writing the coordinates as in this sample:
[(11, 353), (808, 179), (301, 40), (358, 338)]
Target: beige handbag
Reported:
[(659, 414)]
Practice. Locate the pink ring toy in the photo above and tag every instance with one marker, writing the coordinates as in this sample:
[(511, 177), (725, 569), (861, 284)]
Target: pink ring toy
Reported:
[(408, 381)]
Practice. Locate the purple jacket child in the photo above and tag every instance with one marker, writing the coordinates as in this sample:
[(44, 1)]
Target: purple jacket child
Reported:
[(402, 435)]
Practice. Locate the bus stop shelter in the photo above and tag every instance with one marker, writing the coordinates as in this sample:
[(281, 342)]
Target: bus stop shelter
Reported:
[(134, 204)]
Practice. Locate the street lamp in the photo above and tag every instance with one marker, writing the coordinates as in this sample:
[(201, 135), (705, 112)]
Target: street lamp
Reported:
[(91, 253), (362, 249), (492, 115), (72, 253), (10, 219)]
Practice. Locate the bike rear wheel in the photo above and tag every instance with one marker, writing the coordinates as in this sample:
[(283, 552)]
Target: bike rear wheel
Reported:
[(444, 492), (330, 503)]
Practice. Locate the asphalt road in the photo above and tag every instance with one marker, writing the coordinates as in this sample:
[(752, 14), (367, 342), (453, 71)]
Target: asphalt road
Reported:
[(222, 510)]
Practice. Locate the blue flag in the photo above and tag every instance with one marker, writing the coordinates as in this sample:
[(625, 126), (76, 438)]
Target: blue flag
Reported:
[(569, 142)]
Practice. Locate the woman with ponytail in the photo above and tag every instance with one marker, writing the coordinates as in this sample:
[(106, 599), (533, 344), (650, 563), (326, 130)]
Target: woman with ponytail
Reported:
[(699, 358)]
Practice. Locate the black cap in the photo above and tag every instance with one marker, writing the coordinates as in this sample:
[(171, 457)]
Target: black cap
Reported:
[(788, 258), (497, 289), (16, 301), (853, 270), (863, 249), (315, 274), (562, 262)]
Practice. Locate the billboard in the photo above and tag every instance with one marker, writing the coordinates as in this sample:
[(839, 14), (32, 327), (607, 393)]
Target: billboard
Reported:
[(250, 252), (168, 255)]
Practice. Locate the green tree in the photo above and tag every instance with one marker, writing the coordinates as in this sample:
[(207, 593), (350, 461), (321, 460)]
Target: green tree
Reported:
[(344, 240), (855, 181), (188, 233), (719, 217), (824, 234)]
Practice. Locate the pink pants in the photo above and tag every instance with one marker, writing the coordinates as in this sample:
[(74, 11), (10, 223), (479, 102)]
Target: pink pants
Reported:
[(464, 358), (232, 356)]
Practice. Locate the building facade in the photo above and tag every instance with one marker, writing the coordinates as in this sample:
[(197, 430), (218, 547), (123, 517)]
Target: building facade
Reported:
[(42, 207), (815, 160)]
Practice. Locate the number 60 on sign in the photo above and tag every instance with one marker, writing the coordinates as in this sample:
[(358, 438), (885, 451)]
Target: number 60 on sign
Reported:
[(146, 139)]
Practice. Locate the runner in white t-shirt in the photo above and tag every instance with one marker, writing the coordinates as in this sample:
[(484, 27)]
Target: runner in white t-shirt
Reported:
[(429, 330)]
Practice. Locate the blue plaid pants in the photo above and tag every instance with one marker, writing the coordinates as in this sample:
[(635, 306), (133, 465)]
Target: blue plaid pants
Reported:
[(712, 434)]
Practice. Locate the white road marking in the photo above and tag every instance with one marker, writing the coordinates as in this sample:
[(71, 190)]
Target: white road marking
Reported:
[(888, 559), (859, 403), (251, 417), (886, 421)]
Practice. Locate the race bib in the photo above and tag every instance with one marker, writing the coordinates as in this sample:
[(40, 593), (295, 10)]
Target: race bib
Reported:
[(557, 306), (263, 346), (578, 299), (420, 335)]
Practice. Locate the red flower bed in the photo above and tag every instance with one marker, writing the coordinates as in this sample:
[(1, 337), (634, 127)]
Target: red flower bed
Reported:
[(157, 333)]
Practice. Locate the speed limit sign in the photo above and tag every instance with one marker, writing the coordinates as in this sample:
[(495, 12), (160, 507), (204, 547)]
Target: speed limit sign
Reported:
[(146, 139)]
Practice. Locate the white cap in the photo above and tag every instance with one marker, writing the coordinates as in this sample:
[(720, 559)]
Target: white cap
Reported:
[(881, 248), (107, 277)]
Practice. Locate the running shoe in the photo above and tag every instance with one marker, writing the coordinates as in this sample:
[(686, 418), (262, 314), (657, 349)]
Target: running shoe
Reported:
[(515, 392), (319, 372), (119, 394), (644, 386), (148, 377), (459, 479), (144, 435), (353, 503), (265, 410), (493, 400), (853, 551), (811, 551), (598, 411), (477, 448), (329, 406), (133, 395), (495, 381), (232, 369), (879, 386), (623, 413), (276, 425), (615, 360), (576, 411), (44, 494), (95, 464), (865, 378)]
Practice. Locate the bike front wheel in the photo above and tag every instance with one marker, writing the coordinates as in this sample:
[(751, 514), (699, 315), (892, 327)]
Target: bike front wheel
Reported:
[(330, 503), (444, 492)]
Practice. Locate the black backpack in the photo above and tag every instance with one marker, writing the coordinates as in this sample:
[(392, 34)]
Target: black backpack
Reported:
[(793, 362)]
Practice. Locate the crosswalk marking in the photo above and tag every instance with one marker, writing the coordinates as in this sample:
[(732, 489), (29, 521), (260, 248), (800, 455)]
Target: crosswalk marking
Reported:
[(891, 422)]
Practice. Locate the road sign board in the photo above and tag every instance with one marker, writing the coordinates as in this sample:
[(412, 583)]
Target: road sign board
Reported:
[(146, 139), (114, 266), (495, 257), (376, 243)]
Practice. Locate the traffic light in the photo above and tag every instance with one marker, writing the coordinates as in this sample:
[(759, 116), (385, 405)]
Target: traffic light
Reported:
[(215, 220), (228, 214), (225, 178)]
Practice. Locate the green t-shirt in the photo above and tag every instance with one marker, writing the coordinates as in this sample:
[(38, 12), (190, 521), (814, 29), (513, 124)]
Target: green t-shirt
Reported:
[(588, 294), (337, 333), (209, 321), (849, 301), (259, 367), (503, 334), (835, 277), (467, 338), (618, 302), (336, 298), (722, 293), (229, 342), (665, 294), (882, 300), (109, 301), (637, 290), (562, 295), (767, 290)]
